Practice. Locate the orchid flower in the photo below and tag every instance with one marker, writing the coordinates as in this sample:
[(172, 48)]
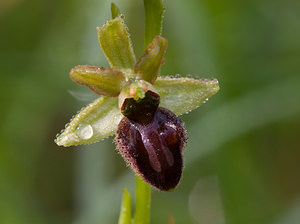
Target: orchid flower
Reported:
[(137, 105)]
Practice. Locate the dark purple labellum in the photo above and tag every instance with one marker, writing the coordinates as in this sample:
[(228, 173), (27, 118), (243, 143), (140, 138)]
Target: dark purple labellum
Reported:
[(154, 149)]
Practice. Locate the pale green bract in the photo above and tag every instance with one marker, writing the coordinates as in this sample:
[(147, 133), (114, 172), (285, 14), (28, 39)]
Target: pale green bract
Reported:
[(100, 119)]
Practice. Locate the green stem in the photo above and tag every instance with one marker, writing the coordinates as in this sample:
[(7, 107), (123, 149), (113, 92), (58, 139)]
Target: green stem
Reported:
[(154, 10), (142, 202)]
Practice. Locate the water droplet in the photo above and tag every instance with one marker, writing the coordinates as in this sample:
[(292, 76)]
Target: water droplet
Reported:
[(85, 131)]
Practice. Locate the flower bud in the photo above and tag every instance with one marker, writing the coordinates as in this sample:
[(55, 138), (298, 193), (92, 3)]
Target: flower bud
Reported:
[(154, 149)]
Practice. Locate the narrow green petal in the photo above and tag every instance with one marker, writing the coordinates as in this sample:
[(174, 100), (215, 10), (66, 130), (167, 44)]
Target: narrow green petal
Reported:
[(95, 122), (115, 11), (116, 44), (147, 66), (181, 95), (125, 213), (102, 81)]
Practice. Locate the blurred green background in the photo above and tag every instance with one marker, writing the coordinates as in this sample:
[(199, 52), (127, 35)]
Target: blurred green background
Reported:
[(242, 163)]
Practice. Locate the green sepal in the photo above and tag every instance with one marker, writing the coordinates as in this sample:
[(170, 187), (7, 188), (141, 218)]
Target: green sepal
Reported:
[(93, 123), (125, 213), (116, 44), (147, 66), (181, 95), (102, 81)]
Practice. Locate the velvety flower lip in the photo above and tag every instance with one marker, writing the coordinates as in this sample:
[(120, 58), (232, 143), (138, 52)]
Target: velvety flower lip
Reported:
[(137, 105), (154, 151), (151, 140)]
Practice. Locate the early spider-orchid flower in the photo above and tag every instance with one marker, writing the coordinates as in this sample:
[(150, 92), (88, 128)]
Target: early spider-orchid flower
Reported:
[(138, 106)]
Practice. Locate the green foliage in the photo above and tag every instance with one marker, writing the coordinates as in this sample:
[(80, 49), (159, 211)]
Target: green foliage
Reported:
[(142, 202), (125, 213)]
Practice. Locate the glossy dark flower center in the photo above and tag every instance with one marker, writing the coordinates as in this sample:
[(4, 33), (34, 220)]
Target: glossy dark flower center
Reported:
[(141, 111)]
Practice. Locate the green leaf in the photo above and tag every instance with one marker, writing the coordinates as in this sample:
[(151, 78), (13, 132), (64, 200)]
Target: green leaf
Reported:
[(147, 66), (95, 122), (115, 11), (181, 95), (116, 44), (142, 202), (154, 10), (102, 81), (125, 213)]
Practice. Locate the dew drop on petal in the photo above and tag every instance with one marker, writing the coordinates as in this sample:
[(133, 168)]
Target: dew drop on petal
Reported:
[(85, 131)]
